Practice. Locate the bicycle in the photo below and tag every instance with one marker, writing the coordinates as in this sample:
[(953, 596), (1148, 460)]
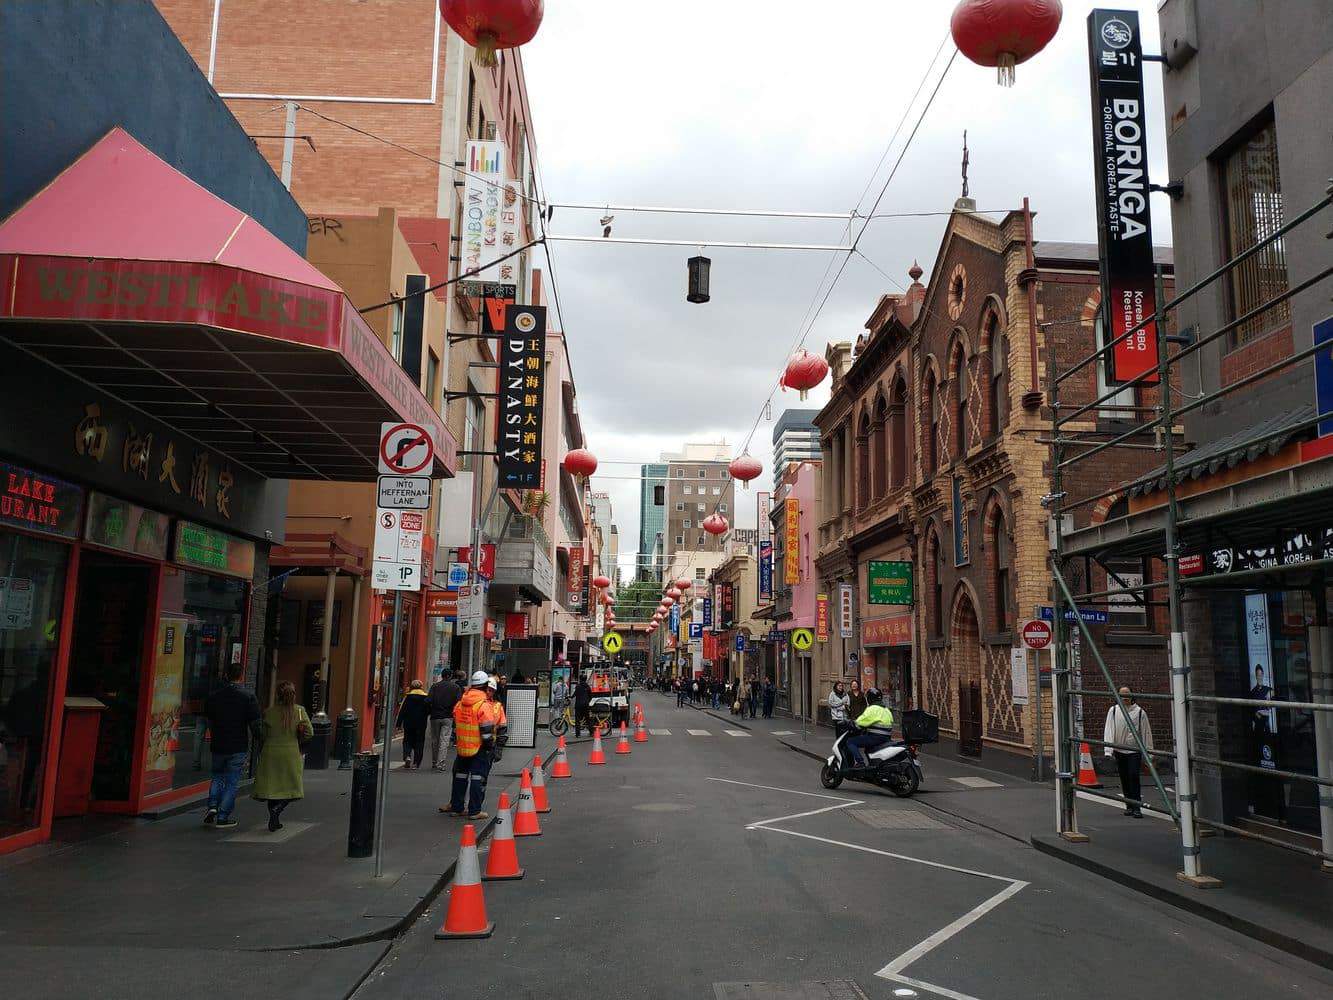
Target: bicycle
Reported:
[(598, 715)]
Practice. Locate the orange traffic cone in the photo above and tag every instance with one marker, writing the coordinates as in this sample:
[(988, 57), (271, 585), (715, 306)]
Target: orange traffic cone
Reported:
[(623, 745), (539, 800), (597, 756), (1087, 775), (525, 820), (466, 916), (560, 769), (502, 859), (640, 734)]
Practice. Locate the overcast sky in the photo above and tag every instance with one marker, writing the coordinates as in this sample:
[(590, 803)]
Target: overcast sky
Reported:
[(773, 105)]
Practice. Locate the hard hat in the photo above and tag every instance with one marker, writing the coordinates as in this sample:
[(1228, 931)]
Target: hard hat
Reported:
[(492, 684), (480, 678)]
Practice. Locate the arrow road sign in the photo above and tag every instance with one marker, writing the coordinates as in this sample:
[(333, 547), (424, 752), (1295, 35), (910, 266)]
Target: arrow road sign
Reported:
[(802, 639), (405, 449)]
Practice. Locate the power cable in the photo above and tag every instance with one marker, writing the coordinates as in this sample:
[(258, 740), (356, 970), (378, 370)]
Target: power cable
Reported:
[(449, 281)]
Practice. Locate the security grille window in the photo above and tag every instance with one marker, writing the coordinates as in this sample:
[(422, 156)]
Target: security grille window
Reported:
[(1115, 407), (1252, 193), (1126, 609)]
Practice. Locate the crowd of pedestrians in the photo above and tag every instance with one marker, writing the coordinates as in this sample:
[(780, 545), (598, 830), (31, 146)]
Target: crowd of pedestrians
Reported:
[(743, 698)]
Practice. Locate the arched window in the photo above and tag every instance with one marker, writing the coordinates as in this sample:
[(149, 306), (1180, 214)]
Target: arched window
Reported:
[(931, 450), (999, 378), (935, 584), (878, 452), (898, 436), (863, 462), (960, 393), (1001, 570)]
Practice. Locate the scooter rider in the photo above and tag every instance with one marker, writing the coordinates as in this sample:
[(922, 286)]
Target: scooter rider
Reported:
[(875, 727)]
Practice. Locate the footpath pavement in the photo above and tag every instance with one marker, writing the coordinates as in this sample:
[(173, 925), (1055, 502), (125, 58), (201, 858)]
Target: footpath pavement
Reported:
[(120, 907), (1268, 894)]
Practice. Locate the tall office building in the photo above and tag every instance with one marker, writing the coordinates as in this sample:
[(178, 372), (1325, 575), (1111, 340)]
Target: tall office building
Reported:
[(600, 507), (652, 520), (795, 440), (697, 485)]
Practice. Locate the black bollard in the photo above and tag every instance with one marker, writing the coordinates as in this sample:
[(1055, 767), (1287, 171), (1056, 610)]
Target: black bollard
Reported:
[(317, 753), (344, 738), (361, 819)]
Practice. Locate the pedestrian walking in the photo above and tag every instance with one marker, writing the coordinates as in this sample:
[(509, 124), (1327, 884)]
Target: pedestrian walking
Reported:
[(769, 695), (694, 691), (478, 728), (233, 719), (444, 695), (838, 704), (559, 697), (858, 702), (501, 690), (679, 685), (280, 773), (414, 717), (582, 706), (752, 701), (715, 687), (1128, 762)]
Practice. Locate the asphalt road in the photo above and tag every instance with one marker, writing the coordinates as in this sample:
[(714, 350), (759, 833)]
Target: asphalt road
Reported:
[(716, 866)]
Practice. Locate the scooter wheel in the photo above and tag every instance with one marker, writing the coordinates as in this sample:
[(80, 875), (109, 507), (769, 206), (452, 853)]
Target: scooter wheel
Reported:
[(907, 788), (829, 776)]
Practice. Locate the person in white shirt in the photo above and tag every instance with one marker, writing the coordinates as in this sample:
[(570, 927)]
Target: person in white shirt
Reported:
[(1128, 762)]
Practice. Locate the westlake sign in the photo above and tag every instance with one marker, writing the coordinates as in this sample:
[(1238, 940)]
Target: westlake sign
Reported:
[(1124, 224)]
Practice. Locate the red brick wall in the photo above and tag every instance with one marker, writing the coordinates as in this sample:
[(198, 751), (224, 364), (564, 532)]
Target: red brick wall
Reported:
[(1257, 355)]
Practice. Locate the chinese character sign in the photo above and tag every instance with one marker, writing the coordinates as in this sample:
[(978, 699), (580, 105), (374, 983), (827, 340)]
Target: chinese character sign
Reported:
[(708, 612), (889, 582), (522, 385), (845, 623), (728, 605), (821, 617), (792, 534)]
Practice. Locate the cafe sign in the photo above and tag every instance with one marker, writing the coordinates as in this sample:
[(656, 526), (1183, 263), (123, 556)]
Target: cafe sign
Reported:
[(889, 582)]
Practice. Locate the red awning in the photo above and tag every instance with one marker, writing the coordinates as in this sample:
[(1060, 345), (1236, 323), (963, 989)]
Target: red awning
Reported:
[(128, 275)]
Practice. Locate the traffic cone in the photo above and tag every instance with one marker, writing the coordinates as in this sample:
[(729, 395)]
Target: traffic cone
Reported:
[(525, 820), (539, 800), (623, 745), (640, 734), (597, 756), (560, 769), (466, 916), (502, 859), (1087, 775)]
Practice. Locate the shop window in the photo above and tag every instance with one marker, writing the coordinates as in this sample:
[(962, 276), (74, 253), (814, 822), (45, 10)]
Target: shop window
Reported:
[(1252, 209), (32, 592)]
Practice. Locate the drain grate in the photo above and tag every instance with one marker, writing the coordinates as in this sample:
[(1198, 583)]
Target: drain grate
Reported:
[(896, 819), (823, 989)]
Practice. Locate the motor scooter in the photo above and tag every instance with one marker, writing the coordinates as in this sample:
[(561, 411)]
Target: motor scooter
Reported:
[(894, 765)]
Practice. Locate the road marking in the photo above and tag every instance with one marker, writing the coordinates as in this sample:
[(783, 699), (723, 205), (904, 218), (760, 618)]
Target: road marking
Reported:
[(784, 732), (736, 732), (660, 732), (698, 732), (893, 970), (968, 781)]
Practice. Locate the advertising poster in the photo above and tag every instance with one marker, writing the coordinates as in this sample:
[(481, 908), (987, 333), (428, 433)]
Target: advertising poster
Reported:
[(1120, 172), (1259, 668), (489, 227), (164, 720)]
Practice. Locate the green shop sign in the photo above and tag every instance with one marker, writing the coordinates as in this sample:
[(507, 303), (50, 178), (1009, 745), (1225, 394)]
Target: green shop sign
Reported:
[(890, 582), (208, 549)]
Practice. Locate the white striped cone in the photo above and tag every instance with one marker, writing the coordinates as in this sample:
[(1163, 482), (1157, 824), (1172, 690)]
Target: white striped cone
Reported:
[(525, 819), (540, 800), (466, 914)]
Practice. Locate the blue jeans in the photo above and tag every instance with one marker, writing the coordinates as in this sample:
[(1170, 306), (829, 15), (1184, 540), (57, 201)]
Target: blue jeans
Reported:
[(862, 745), (470, 774), (226, 777)]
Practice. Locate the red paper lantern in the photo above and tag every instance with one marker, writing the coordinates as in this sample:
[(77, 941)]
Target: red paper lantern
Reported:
[(745, 468), (601, 582), (580, 463), (488, 25), (608, 600), (668, 601), (716, 524), (1004, 33), (674, 593), (804, 372), (684, 583)]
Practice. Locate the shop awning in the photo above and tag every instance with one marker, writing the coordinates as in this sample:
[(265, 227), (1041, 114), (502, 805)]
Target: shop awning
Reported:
[(129, 276)]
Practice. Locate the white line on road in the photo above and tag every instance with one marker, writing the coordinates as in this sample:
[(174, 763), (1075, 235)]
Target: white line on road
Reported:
[(790, 791), (784, 732), (660, 732), (971, 781), (698, 732), (949, 930), (736, 732)]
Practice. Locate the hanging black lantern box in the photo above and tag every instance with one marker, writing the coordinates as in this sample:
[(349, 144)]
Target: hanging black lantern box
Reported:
[(698, 291)]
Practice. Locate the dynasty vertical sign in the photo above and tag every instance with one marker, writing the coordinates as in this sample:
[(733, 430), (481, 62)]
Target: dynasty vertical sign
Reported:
[(522, 389), (1120, 167)]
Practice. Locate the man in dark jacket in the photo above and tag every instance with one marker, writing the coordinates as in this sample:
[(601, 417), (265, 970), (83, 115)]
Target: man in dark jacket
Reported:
[(582, 702), (444, 695), (233, 717), (770, 694)]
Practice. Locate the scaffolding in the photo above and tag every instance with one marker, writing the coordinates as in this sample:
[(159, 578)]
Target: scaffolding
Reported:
[(1164, 531)]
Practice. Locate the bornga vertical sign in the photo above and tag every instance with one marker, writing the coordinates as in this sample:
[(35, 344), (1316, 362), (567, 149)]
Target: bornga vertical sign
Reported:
[(522, 389), (1124, 226)]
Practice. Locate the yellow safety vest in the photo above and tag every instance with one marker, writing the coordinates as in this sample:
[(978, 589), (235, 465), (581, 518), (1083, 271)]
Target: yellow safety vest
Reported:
[(467, 722)]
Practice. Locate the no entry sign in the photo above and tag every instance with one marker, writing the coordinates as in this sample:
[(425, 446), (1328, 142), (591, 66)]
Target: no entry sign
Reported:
[(405, 449), (1036, 633)]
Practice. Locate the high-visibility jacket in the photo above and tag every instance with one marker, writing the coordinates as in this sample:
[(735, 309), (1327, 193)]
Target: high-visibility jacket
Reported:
[(469, 714), (875, 715)]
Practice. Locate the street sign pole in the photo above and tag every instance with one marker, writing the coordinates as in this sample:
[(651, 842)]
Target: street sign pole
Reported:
[(387, 698)]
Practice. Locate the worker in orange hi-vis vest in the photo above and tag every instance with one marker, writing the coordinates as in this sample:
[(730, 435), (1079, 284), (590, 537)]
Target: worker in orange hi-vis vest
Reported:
[(479, 732)]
